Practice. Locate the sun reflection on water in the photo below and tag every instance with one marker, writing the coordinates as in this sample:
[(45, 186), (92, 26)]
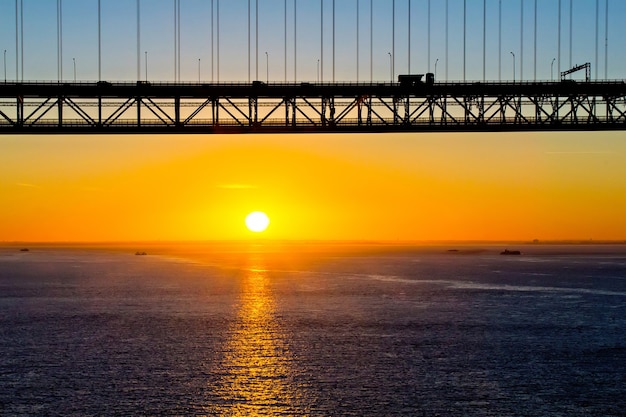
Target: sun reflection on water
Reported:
[(256, 371)]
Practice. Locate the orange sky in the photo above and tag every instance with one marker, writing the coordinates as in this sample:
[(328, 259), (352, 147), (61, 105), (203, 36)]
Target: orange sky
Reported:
[(396, 186)]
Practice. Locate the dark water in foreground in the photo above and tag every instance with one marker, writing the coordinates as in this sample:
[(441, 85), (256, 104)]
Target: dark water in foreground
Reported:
[(313, 330)]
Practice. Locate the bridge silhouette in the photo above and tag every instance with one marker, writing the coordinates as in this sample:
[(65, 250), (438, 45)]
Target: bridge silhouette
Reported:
[(104, 107), (406, 102)]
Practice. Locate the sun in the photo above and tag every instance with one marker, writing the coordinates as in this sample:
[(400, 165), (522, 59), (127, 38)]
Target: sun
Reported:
[(257, 221)]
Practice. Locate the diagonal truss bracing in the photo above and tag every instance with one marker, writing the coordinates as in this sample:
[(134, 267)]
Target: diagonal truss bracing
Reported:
[(35, 107)]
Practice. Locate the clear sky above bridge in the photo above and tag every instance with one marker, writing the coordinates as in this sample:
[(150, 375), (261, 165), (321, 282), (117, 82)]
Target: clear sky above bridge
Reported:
[(513, 32), (401, 186)]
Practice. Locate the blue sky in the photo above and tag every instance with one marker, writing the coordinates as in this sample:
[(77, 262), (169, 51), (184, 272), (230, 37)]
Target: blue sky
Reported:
[(119, 50)]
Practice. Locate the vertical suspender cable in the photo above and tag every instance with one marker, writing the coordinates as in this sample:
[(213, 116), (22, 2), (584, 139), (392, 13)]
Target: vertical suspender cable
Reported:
[(322, 40), (175, 37), (99, 43), (17, 53), (484, 39), (178, 17), (464, 35), (59, 39), (571, 20), (409, 37), (60, 34), (597, 38), (447, 35), (138, 43), (295, 42), (606, 40), (212, 43), (558, 59), (285, 41), (521, 37), (500, 40), (218, 40), (58, 45), (371, 41), (256, 36), (393, 39), (535, 44), (22, 39), (248, 40), (428, 37), (333, 40)]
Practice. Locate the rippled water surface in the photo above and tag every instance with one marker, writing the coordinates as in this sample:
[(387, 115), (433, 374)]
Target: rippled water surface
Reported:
[(264, 329)]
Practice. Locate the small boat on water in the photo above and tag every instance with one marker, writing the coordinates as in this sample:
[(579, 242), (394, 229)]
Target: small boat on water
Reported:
[(510, 252), (140, 253), (24, 250)]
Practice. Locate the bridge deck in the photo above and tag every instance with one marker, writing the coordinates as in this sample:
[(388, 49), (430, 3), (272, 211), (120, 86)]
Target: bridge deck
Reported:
[(161, 107)]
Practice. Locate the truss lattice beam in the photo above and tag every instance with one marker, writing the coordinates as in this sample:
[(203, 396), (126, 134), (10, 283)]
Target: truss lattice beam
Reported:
[(253, 108)]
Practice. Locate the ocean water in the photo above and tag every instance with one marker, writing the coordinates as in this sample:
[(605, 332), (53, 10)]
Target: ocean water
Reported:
[(312, 330)]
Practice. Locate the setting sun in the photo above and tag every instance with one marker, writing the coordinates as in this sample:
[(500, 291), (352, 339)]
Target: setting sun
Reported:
[(257, 221)]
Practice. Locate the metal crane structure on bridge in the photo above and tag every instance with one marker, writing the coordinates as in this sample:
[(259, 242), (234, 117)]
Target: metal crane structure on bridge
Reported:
[(585, 66), (258, 107)]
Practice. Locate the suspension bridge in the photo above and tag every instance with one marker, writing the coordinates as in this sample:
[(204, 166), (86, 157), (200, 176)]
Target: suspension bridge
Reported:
[(407, 101)]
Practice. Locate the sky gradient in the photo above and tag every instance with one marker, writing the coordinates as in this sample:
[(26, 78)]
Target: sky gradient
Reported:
[(391, 187), (430, 186), (199, 38)]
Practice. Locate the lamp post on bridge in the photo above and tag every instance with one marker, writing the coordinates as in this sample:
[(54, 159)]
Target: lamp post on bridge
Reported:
[(390, 66), (74, 62), (513, 65), (318, 71), (436, 60), (552, 69), (5, 66), (146, 65), (198, 70), (267, 68)]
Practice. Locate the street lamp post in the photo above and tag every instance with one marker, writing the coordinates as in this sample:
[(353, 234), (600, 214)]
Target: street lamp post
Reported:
[(5, 66), (513, 65), (390, 66), (552, 69), (267, 67), (318, 71), (74, 62), (436, 60), (146, 55), (198, 70)]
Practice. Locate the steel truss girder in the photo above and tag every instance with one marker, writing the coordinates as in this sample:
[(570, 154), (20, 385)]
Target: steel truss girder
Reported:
[(328, 107)]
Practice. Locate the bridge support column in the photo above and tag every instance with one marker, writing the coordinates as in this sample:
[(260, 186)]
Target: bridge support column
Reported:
[(481, 109), (328, 103), (20, 111), (99, 111), (431, 110), (138, 100), (177, 111), (215, 111), (287, 101), (555, 112), (395, 110), (407, 110), (60, 111), (253, 111)]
